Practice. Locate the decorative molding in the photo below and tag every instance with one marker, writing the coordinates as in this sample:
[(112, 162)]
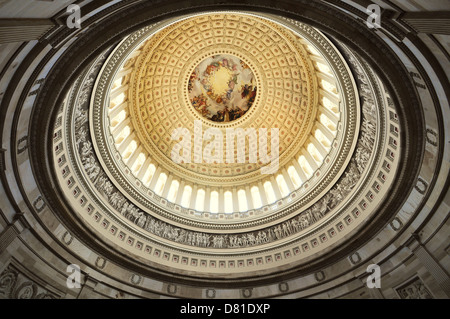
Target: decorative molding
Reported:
[(172, 289), (355, 258), (210, 293), (136, 279), (319, 276), (67, 238), (39, 204), (16, 285), (283, 287), (247, 292), (413, 289), (100, 262), (396, 224)]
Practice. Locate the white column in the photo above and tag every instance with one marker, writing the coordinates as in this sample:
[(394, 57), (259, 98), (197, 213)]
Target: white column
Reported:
[(123, 72), (118, 129), (235, 200), (320, 148), (167, 186), (207, 199), (326, 77), (332, 116), (180, 192), (193, 197), (221, 201), (155, 178), (276, 188), (132, 159), (325, 131), (288, 180), (262, 193), (125, 143), (299, 170), (317, 59), (117, 109), (310, 160), (332, 97), (117, 91), (143, 169), (248, 195)]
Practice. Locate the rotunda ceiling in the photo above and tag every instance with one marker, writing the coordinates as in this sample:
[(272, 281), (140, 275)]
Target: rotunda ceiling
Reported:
[(223, 150), (192, 81)]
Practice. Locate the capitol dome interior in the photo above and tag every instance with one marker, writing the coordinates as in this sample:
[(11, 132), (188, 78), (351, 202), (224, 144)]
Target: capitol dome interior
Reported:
[(224, 150)]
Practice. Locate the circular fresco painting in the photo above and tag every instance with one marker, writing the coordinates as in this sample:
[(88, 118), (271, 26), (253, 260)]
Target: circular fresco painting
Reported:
[(222, 88)]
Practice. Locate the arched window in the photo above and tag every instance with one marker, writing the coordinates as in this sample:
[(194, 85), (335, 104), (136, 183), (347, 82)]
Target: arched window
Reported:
[(282, 185), (228, 202), (160, 183), (123, 134), (322, 139), (117, 83), (269, 192), (129, 150), (149, 174), (173, 191), (330, 105), (323, 68), (186, 198), (305, 166), (242, 200), (327, 122), (256, 197), (117, 100), (214, 202), (200, 200), (138, 163), (314, 153), (118, 118), (327, 86), (313, 50), (295, 178)]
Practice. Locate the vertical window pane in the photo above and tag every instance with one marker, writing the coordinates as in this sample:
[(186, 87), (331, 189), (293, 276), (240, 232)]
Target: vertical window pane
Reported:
[(228, 202), (186, 198), (269, 192), (160, 184), (214, 202), (282, 185), (200, 200), (242, 199), (256, 197), (295, 178), (173, 191), (305, 166)]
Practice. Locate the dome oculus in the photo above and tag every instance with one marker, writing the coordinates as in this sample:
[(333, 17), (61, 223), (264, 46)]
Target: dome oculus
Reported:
[(222, 88)]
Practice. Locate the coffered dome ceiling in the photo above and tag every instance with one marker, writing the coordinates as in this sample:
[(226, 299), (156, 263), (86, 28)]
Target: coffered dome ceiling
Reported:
[(224, 148), (160, 95)]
